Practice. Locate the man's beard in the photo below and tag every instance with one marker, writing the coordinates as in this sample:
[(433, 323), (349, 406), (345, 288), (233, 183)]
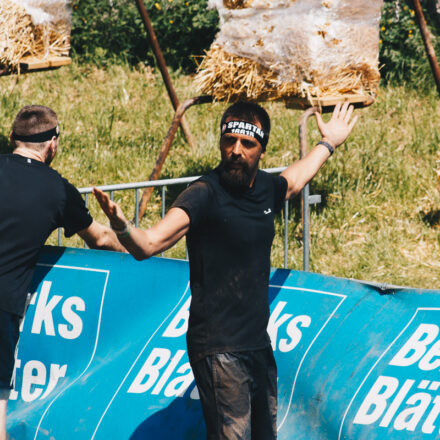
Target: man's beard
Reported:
[(235, 174)]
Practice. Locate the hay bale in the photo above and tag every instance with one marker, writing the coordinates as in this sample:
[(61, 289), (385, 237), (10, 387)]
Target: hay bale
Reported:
[(29, 28), (283, 49)]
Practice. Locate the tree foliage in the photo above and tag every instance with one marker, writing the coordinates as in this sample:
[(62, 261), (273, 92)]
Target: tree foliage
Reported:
[(111, 31), (402, 54)]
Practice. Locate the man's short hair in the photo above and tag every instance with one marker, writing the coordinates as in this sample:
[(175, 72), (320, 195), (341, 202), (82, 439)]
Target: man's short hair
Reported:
[(31, 120), (249, 112), (34, 119)]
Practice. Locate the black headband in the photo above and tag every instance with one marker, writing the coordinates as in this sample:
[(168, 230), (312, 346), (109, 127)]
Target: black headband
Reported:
[(246, 128), (38, 137)]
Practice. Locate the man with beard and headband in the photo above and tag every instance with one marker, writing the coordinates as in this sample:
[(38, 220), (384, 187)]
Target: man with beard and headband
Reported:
[(34, 201), (228, 218)]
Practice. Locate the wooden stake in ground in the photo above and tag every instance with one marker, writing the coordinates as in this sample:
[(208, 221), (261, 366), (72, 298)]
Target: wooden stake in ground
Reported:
[(163, 68), (146, 195), (427, 42)]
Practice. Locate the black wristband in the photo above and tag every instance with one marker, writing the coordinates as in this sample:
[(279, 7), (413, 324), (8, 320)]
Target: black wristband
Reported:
[(330, 149), (124, 232)]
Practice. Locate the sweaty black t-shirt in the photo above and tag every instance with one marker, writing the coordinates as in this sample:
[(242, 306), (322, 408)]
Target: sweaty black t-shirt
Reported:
[(229, 244), (34, 200)]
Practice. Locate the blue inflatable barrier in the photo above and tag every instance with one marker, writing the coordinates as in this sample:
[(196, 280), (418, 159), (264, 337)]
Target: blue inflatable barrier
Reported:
[(102, 354)]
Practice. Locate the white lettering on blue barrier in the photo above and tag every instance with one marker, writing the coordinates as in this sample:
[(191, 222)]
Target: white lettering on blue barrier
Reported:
[(407, 404), (36, 383), (277, 319), (386, 397), (73, 329), (415, 348), (157, 359), (179, 324), (294, 332), (44, 311), (160, 369)]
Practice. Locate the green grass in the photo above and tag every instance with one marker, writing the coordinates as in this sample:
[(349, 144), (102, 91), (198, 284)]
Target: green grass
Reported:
[(380, 216)]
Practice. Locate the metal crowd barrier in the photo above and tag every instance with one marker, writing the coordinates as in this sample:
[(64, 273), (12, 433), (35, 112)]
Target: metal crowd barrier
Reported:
[(164, 183)]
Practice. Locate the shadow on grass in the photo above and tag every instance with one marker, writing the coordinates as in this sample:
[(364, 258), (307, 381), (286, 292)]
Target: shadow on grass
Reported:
[(5, 146), (432, 218)]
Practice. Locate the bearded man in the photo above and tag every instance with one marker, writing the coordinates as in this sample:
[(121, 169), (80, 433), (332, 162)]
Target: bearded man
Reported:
[(228, 219)]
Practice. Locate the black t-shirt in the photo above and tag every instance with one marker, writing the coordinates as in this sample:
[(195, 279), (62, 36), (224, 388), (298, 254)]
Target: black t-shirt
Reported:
[(34, 200), (229, 244)]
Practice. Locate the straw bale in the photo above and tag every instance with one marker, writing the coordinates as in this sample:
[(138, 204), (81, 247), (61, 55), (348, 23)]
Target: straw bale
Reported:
[(228, 77), (273, 49), (20, 37)]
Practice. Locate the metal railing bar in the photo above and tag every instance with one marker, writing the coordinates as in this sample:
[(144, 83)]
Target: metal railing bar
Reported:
[(163, 207), (86, 200), (306, 228), (154, 183), (138, 185), (164, 188), (136, 211), (286, 231)]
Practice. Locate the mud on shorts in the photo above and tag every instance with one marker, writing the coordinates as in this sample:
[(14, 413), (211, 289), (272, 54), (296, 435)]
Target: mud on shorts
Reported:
[(9, 333), (238, 393)]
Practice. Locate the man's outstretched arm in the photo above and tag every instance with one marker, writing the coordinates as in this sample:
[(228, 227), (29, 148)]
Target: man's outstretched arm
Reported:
[(98, 236), (144, 244), (334, 133)]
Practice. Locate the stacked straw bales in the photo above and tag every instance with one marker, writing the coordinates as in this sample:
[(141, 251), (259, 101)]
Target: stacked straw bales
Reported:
[(284, 49), (37, 28)]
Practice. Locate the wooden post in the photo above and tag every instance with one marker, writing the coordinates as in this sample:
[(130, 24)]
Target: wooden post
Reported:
[(166, 145), (427, 42), (163, 68)]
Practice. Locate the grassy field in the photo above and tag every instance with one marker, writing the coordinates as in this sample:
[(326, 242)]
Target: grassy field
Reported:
[(380, 215)]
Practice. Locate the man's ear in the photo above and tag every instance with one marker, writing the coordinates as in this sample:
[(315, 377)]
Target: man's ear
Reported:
[(50, 150), (53, 146), (12, 140)]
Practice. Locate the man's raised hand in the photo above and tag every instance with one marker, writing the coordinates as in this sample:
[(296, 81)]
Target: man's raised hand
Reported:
[(111, 209), (337, 130)]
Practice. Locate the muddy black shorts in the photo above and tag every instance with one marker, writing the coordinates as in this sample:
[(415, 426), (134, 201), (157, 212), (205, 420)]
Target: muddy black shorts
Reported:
[(9, 333), (238, 393)]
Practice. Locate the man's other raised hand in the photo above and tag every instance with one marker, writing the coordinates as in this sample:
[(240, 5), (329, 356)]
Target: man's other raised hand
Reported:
[(337, 130), (111, 209)]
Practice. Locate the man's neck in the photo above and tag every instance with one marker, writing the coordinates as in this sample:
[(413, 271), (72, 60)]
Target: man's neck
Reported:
[(253, 178), (31, 154)]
